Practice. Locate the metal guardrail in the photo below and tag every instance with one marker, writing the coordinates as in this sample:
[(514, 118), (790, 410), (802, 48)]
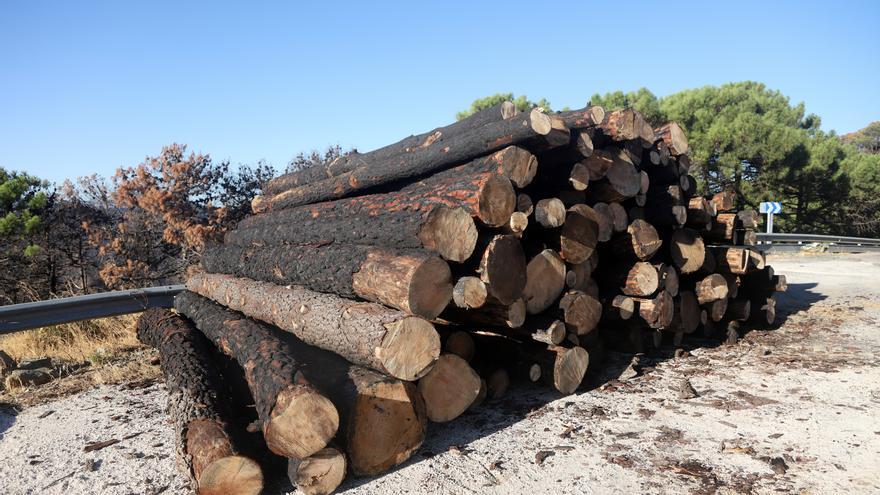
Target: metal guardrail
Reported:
[(793, 242), (56, 311)]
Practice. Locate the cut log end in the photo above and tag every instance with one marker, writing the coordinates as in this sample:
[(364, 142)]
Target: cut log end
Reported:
[(550, 213), (450, 232), (318, 474), (232, 475), (301, 423), (409, 348), (387, 425), (449, 388), (687, 250), (545, 280), (569, 368), (497, 200), (431, 288), (461, 344), (503, 268), (540, 122), (469, 293)]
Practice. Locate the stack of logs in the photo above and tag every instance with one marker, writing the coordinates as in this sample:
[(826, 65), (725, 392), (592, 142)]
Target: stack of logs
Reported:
[(411, 283)]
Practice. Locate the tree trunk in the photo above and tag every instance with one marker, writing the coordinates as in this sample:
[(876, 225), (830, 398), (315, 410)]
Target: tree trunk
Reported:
[(410, 281), (563, 367), (621, 181), (640, 280), (204, 444), (545, 280), (711, 288), (432, 155), (580, 234), (687, 250), (449, 388), (353, 160), (674, 138), (297, 420), (640, 241), (469, 293), (366, 334), (318, 474), (503, 268), (588, 117)]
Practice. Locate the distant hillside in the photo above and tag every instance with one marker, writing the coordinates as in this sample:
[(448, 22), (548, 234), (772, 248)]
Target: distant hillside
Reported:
[(867, 139)]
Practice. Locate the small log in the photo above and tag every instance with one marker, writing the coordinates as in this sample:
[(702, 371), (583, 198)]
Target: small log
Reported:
[(711, 288), (497, 384), (624, 306), (367, 334), (627, 124), (687, 313), (733, 283), (716, 309), (668, 277), (723, 228), (545, 280), (449, 388), (621, 181), (724, 201), (748, 218), (619, 219), (674, 138), (543, 329), (524, 204), (733, 260), (584, 118), (517, 224), (580, 234), (687, 250), (493, 313), (469, 293), (579, 276), (604, 221), (461, 344), (738, 309), (699, 212), (503, 268), (598, 164), (550, 213), (564, 368), (640, 241), (481, 395), (763, 310), (318, 474), (435, 153), (411, 281), (204, 444), (641, 280), (657, 311), (581, 312), (297, 420)]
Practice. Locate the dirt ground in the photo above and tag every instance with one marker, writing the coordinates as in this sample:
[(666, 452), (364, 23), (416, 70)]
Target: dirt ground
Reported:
[(792, 410)]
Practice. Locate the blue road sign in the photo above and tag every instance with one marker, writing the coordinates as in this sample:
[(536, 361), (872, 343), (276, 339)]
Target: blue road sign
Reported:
[(773, 207)]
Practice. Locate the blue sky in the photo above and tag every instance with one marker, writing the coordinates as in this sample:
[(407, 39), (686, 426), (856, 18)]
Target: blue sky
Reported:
[(88, 87)]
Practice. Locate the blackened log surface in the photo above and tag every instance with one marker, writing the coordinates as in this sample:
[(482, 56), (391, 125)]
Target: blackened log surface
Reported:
[(430, 156), (194, 385), (361, 220), (323, 269), (350, 161), (268, 365)]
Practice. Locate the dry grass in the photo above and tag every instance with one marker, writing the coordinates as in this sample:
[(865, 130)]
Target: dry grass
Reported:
[(109, 345), (93, 340)]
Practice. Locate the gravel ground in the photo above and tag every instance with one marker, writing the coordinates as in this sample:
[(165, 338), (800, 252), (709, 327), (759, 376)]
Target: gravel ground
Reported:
[(792, 410)]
